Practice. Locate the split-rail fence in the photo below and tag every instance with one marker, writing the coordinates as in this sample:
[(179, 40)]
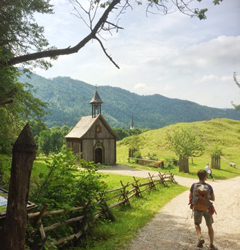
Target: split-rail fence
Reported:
[(45, 224)]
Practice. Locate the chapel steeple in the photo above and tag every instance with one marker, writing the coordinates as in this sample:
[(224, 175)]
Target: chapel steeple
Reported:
[(96, 103)]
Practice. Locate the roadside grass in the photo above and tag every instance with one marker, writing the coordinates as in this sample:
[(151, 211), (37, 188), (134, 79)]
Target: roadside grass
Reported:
[(113, 181), (117, 235), (218, 132)]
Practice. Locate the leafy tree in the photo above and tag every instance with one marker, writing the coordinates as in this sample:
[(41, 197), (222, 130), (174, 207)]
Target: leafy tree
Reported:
[(52, 140), (37, 126), (185, 143), (15, 111), (44, 141)]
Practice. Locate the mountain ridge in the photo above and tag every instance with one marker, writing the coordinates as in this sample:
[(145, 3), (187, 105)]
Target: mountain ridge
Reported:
[(69, 99)]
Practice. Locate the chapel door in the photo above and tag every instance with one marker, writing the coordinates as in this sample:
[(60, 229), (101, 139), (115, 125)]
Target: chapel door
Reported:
[(98, 155)]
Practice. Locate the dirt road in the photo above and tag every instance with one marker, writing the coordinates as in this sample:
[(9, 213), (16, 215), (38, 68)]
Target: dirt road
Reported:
[(172, 228)]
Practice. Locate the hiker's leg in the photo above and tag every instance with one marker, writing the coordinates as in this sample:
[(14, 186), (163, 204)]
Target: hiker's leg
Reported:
[(198, 231), (197, 221), (199, 235), (211, 234), (209, 221)]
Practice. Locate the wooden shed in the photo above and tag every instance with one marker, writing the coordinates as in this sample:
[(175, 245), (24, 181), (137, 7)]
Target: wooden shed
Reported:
[(92, 139)]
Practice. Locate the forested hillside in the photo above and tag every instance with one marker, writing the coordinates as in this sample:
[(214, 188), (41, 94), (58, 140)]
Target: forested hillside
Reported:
[(68, 100)]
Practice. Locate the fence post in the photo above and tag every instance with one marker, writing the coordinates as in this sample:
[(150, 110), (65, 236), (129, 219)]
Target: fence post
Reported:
[(39, 244), (136, 187), (105, 208), (151, 183), (162, 181), (23, 155), (125, 194), (172, 178)]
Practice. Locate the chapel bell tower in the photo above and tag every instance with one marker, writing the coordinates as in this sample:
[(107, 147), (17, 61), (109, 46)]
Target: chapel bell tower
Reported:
[(96, 103)]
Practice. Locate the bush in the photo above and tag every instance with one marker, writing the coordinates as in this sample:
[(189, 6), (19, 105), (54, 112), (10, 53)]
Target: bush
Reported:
[(152, 157), (65, 185), (171, 163)]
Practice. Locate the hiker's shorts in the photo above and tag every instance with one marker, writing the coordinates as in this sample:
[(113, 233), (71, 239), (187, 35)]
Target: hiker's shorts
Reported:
[(198, 218)]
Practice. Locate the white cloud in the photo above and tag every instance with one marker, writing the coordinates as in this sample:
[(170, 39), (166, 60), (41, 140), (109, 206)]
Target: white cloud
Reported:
[(172, 55), (140, 86), (215, 78)]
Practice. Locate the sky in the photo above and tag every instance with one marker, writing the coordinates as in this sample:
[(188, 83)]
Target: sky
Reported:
[(172, 55)]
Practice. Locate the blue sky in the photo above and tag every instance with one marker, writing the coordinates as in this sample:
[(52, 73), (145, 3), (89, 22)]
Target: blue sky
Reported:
[(171, 55)]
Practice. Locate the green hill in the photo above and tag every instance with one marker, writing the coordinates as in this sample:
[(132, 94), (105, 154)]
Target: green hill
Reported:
[(68, 100), (222, 132)]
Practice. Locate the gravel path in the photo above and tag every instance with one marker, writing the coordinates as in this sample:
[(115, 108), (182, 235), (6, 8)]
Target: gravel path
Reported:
[(172, 228)]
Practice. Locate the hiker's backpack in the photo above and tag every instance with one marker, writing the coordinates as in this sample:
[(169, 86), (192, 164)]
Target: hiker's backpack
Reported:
[(201, 196)]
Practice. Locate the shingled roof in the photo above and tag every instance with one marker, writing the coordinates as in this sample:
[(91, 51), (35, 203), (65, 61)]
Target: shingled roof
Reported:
[(85, 123), (81, 127)]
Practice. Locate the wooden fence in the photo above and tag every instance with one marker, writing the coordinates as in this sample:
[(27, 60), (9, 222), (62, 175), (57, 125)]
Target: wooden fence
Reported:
[(122, 196), (45, 223)]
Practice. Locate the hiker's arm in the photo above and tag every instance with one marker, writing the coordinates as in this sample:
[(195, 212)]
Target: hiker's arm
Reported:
[(191, 195), (190, 198), (212, 198)]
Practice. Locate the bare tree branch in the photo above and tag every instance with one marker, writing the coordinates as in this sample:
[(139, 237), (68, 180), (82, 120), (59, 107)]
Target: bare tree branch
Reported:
[(78, 15), (105, 52), (235, 79), (115, 25), (66, 51)]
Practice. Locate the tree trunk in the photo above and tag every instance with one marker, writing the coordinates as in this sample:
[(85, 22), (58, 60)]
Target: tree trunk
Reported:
[(183, 164), (216, 162), (24, 153)]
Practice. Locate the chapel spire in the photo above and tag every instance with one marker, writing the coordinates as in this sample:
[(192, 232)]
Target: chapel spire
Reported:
[(96, 103)]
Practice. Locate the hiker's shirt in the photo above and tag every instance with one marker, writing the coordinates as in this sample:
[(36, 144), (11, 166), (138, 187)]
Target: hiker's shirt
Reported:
[(200, 195)]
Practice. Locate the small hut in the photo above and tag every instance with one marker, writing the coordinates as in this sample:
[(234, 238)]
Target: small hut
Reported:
[(92, 139)]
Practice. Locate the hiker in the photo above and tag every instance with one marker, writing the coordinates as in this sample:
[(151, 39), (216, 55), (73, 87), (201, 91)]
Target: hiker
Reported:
[(209, 171), (201, 195)]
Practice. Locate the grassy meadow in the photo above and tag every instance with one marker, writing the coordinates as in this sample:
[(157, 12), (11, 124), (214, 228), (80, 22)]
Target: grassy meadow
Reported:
[(223, 133)]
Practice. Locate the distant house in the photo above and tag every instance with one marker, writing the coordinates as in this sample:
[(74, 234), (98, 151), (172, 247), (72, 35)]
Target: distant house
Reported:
[(92, 139)]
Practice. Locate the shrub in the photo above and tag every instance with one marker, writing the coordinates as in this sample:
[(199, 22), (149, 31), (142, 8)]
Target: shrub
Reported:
[(65, 185), (152, 156), (171, 162)]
